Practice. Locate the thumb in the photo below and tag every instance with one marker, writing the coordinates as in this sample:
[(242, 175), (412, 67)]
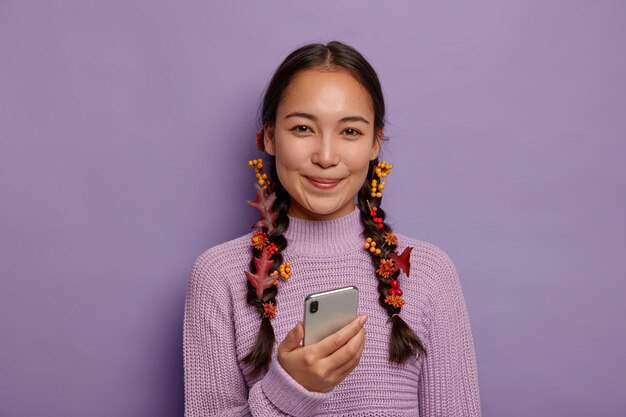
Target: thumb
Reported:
[(293, 338)]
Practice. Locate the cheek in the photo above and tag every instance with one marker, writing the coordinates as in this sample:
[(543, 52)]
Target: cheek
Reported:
[(288, 167), (359, 161), (291, 158)]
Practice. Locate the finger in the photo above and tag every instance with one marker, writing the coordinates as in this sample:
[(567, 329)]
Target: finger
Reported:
[(347, 352), (293, 338), (346, 369), (351, 364), (351, 361), (336, 340)]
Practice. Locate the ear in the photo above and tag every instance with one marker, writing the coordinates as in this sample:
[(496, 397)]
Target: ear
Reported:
[(378, 139), (268, 139)]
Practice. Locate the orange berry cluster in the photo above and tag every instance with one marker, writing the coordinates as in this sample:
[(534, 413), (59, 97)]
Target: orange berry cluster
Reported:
[(285, 270), (371, 245), (261, 176), (381, 170), (389, 239)]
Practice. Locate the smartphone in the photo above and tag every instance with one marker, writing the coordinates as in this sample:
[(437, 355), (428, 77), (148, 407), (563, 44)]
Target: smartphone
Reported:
[(328, 311)]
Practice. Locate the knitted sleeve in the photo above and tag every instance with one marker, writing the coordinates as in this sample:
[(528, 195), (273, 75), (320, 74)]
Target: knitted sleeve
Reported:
[(214, 383), (448, 384)]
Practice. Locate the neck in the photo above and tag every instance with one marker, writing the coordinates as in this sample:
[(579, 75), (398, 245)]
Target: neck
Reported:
[(325, 237), (296, 210)]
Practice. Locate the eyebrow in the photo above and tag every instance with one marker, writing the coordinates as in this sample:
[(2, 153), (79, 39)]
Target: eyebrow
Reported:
[(314, 118)]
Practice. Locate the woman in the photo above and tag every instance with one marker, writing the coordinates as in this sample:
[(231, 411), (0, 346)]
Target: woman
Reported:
[(410, 352)]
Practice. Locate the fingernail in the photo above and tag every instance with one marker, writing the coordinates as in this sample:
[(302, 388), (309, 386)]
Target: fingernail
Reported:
[(363, 319)]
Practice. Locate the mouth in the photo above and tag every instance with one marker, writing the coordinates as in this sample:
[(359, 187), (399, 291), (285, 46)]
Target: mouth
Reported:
[(324, 183)]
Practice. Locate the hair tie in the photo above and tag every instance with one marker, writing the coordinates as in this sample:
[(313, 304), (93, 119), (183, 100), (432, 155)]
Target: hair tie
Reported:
[(392, 316)]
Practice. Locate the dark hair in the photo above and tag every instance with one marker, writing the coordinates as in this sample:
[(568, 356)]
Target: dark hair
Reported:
[(334, 55)]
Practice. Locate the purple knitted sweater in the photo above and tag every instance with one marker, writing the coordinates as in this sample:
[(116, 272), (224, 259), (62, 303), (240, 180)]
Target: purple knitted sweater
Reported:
[(220, 327)]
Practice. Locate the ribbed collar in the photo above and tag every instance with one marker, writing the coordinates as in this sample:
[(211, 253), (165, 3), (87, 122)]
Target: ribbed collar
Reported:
[(325, 237)]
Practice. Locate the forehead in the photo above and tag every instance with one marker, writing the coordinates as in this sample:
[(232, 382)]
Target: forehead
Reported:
[(323, 92)]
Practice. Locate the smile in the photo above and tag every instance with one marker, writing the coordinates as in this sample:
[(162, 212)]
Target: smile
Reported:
[(324, 183)]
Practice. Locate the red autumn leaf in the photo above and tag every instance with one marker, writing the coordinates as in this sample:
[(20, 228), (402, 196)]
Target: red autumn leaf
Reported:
[(263, 203), (403, 261), (261, 280)]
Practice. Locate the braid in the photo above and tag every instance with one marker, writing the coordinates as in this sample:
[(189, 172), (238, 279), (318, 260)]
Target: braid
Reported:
[(260, 354), (404, 342)]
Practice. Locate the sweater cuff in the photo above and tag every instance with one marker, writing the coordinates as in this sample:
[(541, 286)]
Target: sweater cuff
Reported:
[(287, 394)]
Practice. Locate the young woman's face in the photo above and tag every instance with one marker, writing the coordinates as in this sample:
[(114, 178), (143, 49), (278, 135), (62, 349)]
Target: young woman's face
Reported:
[(323, 140)]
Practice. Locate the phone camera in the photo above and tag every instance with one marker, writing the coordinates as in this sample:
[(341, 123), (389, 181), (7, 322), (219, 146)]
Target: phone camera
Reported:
[(314, 306)]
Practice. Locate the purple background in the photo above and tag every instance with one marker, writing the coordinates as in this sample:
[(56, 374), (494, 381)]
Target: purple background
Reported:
[(125, 128)]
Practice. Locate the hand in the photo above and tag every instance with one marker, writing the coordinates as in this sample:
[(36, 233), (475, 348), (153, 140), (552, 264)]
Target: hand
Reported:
[(321, 366)]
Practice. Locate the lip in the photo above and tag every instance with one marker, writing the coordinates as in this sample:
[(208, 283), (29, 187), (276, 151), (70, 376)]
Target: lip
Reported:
[(324, 183)]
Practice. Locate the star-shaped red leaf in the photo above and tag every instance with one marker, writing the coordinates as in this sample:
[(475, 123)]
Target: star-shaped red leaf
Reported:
[(261, 279), (402, 261), (263, 203)]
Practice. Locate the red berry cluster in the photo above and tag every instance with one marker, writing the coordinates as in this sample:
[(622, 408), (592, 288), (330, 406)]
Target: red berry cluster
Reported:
[(271, 249), (395, 288), (377, 220)]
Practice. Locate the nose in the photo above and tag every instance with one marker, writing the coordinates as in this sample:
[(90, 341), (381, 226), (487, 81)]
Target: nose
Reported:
[(326, 154)]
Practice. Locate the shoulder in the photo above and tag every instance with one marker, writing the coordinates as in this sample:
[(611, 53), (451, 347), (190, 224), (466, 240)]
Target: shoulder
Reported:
[(424, 252), (220, 255), (221, 265), (431, 265)]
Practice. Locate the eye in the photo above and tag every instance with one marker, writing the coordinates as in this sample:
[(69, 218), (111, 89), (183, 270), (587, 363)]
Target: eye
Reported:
[(352, 132), (298, 129)]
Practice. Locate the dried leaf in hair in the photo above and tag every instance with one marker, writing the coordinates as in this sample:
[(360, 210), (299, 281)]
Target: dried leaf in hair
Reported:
[(402, 261), (263, 203), (261, 280)]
